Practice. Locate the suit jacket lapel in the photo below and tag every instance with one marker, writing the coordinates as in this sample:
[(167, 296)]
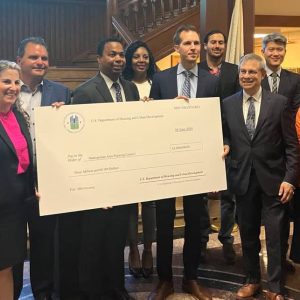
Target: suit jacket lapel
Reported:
[(102, 88), (46, 93), (199, 86), (127, 90), (265, 83), (25, 131), (240, 115), (6, 138), (202, 78), (172, 87), (284, 81), (264, 108)]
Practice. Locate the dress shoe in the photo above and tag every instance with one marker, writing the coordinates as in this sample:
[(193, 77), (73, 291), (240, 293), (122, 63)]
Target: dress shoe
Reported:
[(147, 263), (162, 291), (248, 290), (273, 296), (203, 253), (229, 253), (134, 269), (289, 267), (192, 287)]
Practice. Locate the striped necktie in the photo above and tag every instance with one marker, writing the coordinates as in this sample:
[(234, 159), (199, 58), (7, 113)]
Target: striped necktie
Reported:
[(250, 121), (186, 88), (274, 82)]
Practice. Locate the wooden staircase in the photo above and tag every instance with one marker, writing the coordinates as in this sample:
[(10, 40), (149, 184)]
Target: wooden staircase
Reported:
[(71, 76), (152, 21)]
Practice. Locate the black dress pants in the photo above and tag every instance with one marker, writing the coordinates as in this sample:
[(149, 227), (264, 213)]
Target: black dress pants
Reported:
[(69, 237), (295, 247), (43, 263), (101, 258), (194, 210), (18, 279), (251, 208)]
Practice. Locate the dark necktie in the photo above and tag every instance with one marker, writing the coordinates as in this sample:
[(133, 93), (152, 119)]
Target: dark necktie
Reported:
[(186, 88), (274, 82), (250, 121), (117, 87)]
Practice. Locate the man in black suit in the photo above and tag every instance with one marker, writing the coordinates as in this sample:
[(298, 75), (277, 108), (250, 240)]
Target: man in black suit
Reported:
[(173, 83), (279, 80), (263, 167), (215, 47), (104, 231), (283, 82)]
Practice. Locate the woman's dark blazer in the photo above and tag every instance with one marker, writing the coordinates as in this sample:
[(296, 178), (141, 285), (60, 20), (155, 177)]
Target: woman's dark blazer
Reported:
[(12, 188)]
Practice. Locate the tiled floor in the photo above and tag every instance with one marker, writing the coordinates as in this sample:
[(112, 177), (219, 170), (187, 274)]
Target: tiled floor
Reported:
[(222, 279)]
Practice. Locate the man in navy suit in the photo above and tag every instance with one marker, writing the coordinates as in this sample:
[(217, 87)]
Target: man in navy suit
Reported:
[(262, 172), (36, 91), (283, 82), (182, 81), (215, 47)]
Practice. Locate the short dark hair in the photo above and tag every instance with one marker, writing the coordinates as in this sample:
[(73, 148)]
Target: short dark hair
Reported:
[(215, 31), (274, 37), (37, 40), (184, 27), (128, 72), (103, 42)]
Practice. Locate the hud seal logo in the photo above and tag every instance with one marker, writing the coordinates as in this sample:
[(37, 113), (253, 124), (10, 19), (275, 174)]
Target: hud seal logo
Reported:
[(74, 122)]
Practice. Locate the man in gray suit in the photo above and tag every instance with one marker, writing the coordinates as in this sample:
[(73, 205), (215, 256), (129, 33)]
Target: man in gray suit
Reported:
[(104, 231), (262, 171)]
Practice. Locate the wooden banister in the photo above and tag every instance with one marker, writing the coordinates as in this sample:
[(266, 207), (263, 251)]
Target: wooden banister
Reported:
[(122, 30)]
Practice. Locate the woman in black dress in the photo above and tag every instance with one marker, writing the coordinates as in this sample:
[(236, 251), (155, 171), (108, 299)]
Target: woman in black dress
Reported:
[(140, 68), (16, 179)]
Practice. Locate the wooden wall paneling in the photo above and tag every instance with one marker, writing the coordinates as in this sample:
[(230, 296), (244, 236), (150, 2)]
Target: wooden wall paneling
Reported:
[(210, 18), (77, 32), (70, 27), (249, 24), (160, 40), (277, 21), (6, 41)]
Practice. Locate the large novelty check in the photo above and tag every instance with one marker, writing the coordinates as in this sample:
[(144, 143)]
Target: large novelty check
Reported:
[(98, 155)]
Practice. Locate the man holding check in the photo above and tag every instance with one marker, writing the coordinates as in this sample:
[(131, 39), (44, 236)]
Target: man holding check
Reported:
[(186, 80), (104, 231)]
